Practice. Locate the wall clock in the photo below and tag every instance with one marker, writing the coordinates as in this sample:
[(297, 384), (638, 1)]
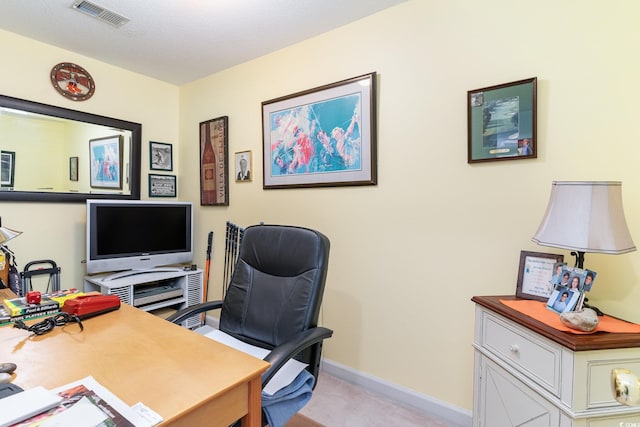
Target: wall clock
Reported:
[(72, 81)]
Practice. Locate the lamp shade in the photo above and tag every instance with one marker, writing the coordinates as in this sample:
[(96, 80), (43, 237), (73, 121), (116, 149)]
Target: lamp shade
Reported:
[(585, 216), (7, 234)]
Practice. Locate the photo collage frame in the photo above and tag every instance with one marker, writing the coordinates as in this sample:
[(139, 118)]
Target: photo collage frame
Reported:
[(570, 284)]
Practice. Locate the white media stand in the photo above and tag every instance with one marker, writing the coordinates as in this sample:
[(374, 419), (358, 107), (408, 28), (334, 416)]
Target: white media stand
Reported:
[(152, 290)]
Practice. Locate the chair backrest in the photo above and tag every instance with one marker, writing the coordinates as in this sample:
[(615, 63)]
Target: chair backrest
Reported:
[(277, 285)]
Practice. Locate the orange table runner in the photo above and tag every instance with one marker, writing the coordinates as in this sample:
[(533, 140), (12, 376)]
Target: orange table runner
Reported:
[(539, 311)]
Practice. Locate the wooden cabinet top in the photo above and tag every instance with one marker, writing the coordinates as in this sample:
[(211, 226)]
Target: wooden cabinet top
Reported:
[(575, 342)]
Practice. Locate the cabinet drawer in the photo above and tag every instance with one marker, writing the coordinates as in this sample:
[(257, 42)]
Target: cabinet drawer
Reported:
[(535, 358)]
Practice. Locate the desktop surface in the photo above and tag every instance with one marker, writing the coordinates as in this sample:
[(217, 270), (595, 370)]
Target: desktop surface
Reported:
[(186, 378)]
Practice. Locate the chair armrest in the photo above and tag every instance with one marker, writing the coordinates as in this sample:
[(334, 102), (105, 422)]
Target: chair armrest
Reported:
[(185, 313), (282, 353)]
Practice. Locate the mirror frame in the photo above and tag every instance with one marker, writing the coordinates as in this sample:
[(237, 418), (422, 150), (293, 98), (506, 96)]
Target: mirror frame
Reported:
[(65, 113)]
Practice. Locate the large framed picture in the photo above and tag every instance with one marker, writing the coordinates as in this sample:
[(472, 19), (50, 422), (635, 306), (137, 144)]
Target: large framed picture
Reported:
[(105, 159), (162, 185), (214, 162), (321, 137), (501, 122), (7, 168), (536, 274), (160, 156)]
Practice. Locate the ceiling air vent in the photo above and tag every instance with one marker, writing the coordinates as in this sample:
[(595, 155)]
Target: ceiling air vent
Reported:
[(100, 13)]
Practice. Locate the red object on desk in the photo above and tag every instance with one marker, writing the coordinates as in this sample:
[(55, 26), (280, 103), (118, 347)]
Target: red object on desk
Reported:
[(34, 297), (91, 305)]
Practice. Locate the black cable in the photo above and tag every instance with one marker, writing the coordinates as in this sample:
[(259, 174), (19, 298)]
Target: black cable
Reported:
[(49, 323)]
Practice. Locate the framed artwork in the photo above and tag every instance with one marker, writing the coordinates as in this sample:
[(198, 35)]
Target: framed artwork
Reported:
[(536, 275), (243, 166), (7, 168), (105, 157), (501, 122), (160, 156), (73, 168), (321, 137), (214, 162), (162, 185)]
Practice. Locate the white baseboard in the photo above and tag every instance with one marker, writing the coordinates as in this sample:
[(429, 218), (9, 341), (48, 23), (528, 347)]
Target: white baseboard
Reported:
[(401, 395)]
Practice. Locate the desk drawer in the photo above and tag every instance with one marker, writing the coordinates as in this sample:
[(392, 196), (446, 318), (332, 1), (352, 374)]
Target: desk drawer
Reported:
[(535, 358)]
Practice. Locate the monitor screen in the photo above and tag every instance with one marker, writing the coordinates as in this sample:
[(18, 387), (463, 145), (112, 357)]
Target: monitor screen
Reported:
[(123, 235)]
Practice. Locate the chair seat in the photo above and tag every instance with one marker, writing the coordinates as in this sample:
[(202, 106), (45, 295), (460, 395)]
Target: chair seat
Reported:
[(283, 378)]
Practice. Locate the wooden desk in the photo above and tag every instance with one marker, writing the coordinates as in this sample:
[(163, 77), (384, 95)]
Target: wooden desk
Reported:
[(188, 379)]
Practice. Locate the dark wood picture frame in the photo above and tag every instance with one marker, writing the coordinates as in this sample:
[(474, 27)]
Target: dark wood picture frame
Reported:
[(105, 160), (214, 162), (7, 168), (162, 185), (534, 275), (502, 121), (73, 168), (160, 156), (339, 119)]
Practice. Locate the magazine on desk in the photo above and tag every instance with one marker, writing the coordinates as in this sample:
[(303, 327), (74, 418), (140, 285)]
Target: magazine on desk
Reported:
[(87, 403)]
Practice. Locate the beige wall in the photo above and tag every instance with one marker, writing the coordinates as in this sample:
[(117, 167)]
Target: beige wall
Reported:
[(56, 231), (408, 254)]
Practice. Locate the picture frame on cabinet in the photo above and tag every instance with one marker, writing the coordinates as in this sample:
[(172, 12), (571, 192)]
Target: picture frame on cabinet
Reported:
[(535, 275), (162, 185), (160, 156), (501, 122), (214, 162), (321, 137)]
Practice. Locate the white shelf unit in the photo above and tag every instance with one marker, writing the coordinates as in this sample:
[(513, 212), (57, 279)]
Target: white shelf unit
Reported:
[(189, 281)]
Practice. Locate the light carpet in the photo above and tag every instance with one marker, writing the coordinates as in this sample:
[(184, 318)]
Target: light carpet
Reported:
[(300, 420)]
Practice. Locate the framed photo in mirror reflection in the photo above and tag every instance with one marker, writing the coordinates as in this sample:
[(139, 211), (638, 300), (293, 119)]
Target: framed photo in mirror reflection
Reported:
[(7, 168), (105, 157), (73, 168)]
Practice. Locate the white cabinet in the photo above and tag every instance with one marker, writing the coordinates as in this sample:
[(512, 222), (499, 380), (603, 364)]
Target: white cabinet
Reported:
[(529, 374), (152, 290)]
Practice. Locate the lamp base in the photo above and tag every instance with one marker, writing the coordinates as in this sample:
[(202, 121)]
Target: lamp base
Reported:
[(596, 309), (579, 258)]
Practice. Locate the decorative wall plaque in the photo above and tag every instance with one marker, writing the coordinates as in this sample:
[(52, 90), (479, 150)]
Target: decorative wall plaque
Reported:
[(72, 81)]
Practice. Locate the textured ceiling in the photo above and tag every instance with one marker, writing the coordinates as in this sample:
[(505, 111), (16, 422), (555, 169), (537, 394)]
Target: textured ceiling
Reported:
[(179, 41)]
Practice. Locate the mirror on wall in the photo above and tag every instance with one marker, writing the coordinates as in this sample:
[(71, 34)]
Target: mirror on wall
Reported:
[(54, 154)]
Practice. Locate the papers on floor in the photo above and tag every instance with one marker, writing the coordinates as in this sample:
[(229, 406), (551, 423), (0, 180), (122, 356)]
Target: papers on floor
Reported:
[(87, 403), (281, 379)]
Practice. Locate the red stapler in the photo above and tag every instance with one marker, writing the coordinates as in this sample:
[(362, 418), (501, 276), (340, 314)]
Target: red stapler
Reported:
[(86, 306)]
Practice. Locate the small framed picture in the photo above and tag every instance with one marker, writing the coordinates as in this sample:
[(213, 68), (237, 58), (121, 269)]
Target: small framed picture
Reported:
[(162, 185), (536, 275), (8, 168), (501, 122), (161, 156), (73, 168), (243, 166)]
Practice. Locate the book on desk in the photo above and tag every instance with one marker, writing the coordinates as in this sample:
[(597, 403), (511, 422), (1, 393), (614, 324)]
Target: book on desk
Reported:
[(81, 403)]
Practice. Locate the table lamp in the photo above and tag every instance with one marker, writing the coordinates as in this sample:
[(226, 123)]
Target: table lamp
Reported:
[(585, 216), (7, 234)]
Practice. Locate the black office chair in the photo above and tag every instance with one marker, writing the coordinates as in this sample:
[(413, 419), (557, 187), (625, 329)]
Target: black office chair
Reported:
[(274, 296)]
